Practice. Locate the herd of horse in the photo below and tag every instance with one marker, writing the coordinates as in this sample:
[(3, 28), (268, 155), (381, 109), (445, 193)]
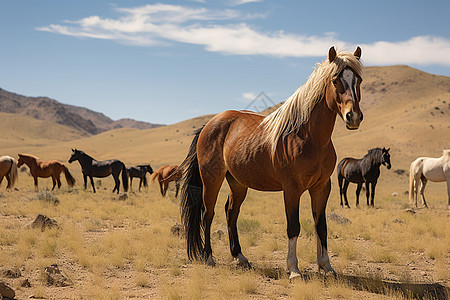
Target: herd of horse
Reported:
[(90, 167), (290, 150)]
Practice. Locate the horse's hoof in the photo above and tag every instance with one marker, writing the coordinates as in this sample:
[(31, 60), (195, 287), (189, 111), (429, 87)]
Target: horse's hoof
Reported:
[(294, 275), (242, 262)]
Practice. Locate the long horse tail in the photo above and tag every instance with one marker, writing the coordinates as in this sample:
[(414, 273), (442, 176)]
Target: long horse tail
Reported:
[(192, 203), (411, 182), (152, 178), (144, 181), (124, 177), (13, 174), (69, 178)]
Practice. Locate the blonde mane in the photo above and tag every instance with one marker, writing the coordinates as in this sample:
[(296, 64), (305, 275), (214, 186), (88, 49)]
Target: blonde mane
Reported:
[(297, 109), (446, 155)]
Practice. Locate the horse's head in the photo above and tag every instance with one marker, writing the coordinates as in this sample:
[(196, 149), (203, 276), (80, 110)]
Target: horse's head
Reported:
[(149, 169), (343, 89), (386, 159), (20, 161), (75, 155)]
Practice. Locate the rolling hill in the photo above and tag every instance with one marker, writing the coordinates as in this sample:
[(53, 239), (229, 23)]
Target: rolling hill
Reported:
[(86, 121), (405, 109)]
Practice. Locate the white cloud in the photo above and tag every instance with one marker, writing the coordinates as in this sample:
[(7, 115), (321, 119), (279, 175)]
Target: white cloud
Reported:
[(224, 32), (249, 96)]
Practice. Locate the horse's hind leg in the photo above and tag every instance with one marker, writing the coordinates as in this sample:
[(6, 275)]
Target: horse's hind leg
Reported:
[(340, 181), (235, 198), (8, 179), (448, 190), (319, 199), (212, 181), (422, 190), (58, 180), (117, 183), (345, 188), (358, 191)]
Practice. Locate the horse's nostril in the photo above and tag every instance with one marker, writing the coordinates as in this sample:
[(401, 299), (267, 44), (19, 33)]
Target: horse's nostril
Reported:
[(361, 117), (348, 116)]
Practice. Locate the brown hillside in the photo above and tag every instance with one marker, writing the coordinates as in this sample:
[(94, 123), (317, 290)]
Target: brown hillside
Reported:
[(84, 120)]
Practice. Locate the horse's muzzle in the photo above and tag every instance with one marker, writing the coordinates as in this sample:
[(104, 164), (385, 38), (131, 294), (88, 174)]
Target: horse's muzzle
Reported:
[(352, 120)]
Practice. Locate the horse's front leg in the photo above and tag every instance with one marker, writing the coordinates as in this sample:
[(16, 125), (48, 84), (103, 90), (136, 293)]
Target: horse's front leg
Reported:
[(345, 188), (319, 198), (92, 183), (291, 205), (448, 190), (54, 183), (367, 192), (372, 194), (358, 191), (85, 180), (36, 183)]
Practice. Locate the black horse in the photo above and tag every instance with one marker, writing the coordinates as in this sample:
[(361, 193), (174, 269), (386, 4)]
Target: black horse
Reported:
[(139, 172), (93, 168), (365, 170)]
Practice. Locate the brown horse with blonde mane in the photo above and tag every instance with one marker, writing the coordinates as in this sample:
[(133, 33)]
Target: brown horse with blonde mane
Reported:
[(290, 150), (8, 169), (165, 175), (45, 169)]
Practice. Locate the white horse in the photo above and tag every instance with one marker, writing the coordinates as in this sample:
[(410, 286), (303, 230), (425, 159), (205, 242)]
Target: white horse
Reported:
[(426, 168)]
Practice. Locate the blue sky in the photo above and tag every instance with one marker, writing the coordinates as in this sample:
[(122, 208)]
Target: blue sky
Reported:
[(168, 61)]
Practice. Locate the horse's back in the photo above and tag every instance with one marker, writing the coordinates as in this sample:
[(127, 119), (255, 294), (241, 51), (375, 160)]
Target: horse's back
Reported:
[(234, 141), (351, 170)]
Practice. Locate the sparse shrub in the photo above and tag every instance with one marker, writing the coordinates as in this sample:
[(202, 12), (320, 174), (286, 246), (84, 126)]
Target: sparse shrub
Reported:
[(47, 196)]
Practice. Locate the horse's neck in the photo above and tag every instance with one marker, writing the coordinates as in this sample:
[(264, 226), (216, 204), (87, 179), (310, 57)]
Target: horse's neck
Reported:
[(320, 125), (86, 161), (30, 162)]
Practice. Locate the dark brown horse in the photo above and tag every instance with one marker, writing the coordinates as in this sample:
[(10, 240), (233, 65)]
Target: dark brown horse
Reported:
[(45, 169), (365, 170), (165, 175), (94, 168), (8, 169), (290, 150), (139, 172)]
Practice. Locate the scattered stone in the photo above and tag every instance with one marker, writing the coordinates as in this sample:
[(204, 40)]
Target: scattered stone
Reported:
[(218, 234), (6, 291), (338, 219), (411, 211), (25, 283), (43, 222), (123, 197), (394, 194), (177, 230), (13, 273), (55, 277), (398, 221)]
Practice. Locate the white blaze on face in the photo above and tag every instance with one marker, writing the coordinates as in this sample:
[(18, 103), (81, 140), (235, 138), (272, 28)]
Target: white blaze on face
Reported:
[(349, 82)]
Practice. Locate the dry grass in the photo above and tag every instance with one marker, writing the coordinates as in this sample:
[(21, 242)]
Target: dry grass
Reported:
[(115, 249)]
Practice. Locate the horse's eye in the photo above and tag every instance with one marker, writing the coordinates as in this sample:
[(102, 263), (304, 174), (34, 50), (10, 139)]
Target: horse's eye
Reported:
[(335, 82)]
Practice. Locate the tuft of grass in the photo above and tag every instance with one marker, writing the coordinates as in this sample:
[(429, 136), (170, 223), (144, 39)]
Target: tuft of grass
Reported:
[(311, 290)]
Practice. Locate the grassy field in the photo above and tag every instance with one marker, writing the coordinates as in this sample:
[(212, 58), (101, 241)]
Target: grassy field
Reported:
[(115, 249)]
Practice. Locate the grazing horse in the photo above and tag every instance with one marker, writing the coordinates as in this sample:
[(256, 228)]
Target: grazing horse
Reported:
[(289, 150), (93, 168), (426, 168), (8, 169), (139, 171), (45, 169), (165, 175), (365, 170)]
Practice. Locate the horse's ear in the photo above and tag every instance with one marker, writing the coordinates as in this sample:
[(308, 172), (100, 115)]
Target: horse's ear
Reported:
[(387, 150), (73, 150), (357, 53), (332, 54)]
